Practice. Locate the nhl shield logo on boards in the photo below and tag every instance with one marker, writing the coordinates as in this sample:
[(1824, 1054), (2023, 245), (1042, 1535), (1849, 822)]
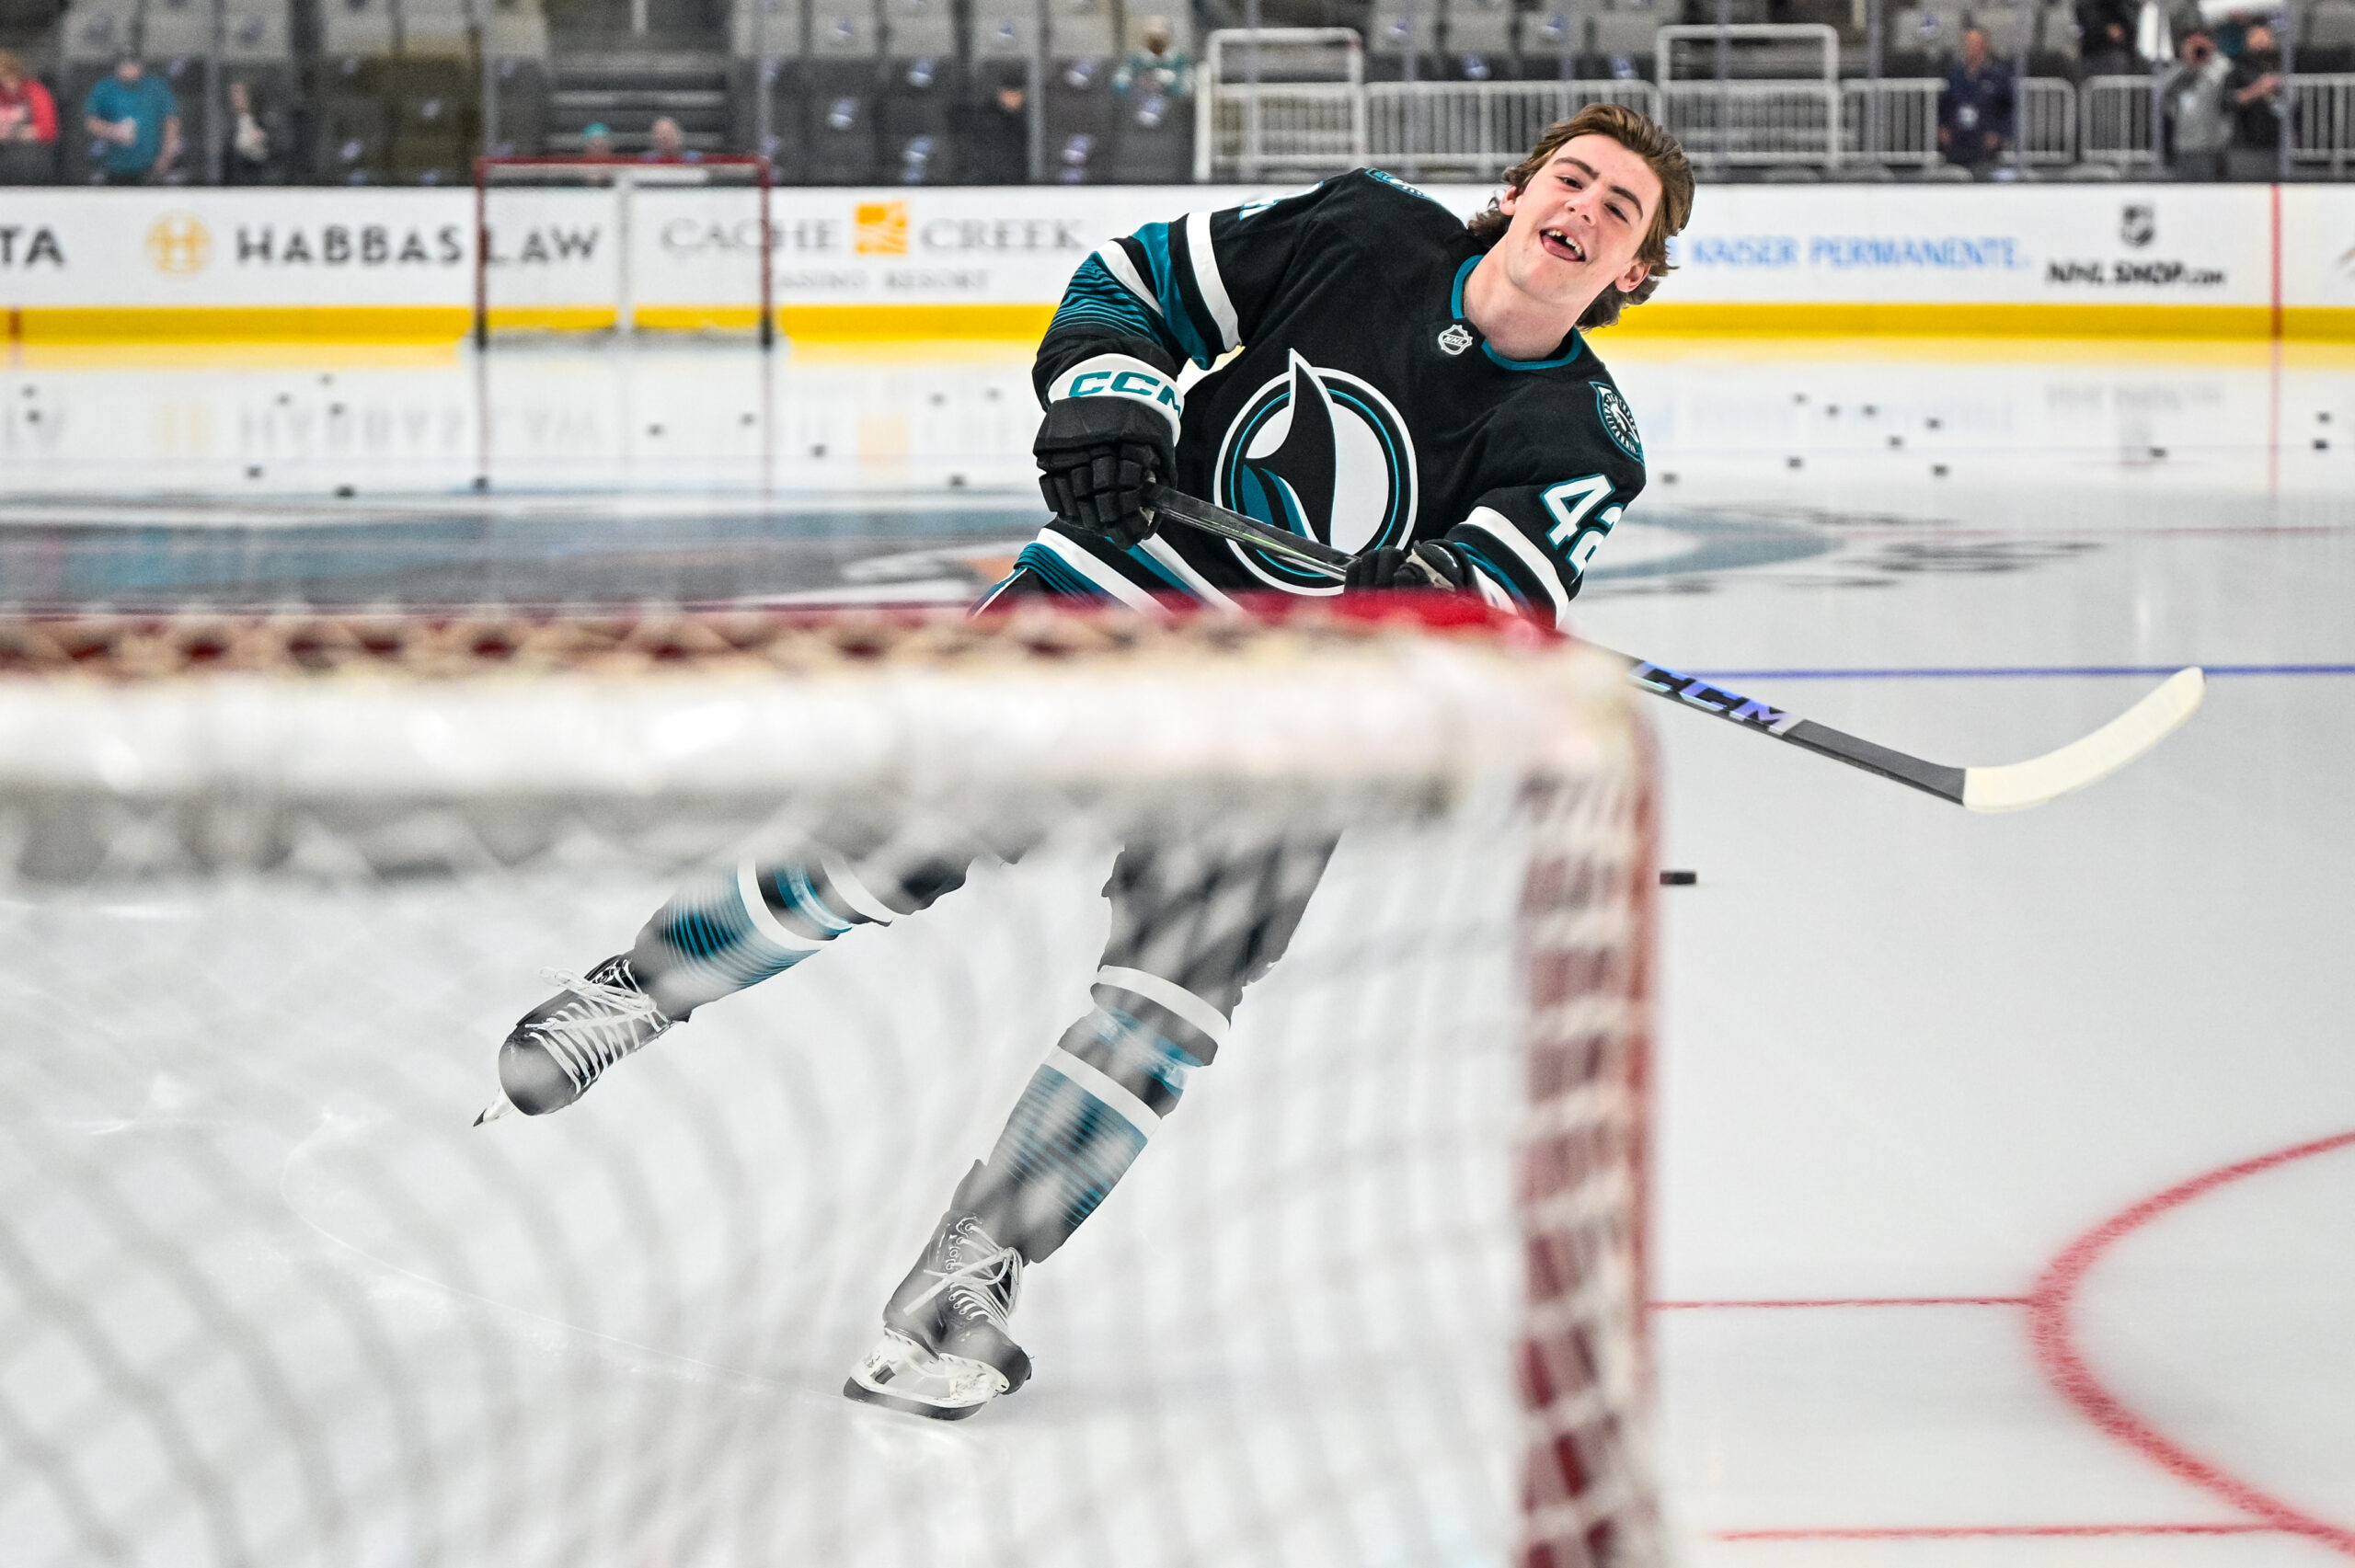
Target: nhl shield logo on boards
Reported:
[(1455, 338), (2138, 223)]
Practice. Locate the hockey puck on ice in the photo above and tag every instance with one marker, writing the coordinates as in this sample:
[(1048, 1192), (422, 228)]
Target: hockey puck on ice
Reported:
[(253, 471), (2321, 445), (1679, 878), (1791, 461), (1937, 471), (345, 492)]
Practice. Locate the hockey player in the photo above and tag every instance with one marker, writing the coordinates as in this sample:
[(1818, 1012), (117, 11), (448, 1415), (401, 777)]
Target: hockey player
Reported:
[(1409, 388)]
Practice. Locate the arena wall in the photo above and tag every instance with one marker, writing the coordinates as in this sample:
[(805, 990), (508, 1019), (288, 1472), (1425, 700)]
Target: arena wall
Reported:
[(396, 265)]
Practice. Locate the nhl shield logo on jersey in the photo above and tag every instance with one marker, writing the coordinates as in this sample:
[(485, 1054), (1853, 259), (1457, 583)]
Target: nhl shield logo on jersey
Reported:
[(1323, 453), (1618, 420), (1454, 338)]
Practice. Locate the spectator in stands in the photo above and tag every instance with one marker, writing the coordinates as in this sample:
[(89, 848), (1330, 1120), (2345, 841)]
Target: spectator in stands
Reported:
[(137, 123), (669, 144), (255, 152), (1157, 70), (596, 140), (28, 126), (2105, 37), (2195, 107), (993, 141), (1975, 110), (2253, 94)]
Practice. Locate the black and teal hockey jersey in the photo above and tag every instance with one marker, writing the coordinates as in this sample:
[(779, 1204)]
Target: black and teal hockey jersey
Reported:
[(1362, 410)]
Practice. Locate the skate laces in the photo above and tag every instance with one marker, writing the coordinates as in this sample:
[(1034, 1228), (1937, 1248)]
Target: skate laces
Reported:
[(985, 1285), (603, 1025)]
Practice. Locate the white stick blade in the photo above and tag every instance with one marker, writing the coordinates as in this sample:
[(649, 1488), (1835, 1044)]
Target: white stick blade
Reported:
[(2018, 786)]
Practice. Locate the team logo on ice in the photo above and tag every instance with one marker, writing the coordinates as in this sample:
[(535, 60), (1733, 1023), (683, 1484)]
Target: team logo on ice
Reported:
[(2138, 223), (1618, 420), (1322, 454), (1454, 338)]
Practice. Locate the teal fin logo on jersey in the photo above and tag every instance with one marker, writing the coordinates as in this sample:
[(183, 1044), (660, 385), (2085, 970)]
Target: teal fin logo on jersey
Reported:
[(1323, 455), (1618, 420)]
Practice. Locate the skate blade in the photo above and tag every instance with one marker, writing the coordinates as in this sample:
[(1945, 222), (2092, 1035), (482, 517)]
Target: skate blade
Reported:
[(898, 1374)]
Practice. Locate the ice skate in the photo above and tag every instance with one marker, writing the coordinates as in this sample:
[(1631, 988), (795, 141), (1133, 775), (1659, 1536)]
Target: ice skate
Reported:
[(558, 1049), (945, 1351)]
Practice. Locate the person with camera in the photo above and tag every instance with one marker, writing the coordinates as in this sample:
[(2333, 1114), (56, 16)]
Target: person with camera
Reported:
[(2195, 108)]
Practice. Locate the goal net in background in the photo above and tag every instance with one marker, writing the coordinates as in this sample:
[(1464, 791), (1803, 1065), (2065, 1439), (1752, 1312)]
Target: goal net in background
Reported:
[(277, 888), (624, 245)]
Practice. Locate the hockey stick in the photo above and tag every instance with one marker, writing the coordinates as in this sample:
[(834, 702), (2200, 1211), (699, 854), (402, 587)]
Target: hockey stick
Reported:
[(2013, 788)]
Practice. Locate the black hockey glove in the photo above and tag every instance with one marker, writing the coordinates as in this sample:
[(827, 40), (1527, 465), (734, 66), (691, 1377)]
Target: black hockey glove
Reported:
[(1430, 564), (1095, 457)]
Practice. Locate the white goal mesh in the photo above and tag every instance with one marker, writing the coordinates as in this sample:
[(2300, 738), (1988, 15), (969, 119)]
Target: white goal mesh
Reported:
[(275, 889)]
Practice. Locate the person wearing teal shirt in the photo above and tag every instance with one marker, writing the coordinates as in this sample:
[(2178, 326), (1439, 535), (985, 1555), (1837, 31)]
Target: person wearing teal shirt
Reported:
[(137, 123)]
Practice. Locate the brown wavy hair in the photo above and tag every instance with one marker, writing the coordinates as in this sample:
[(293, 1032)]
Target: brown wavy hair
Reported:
[(1649, 142)]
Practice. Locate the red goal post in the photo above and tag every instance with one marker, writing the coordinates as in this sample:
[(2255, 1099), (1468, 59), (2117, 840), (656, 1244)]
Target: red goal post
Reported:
[(566, 298)]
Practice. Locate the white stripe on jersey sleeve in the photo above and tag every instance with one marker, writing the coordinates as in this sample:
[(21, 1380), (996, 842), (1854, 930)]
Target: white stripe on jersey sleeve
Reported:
[(1179, 567), (1208, 280), (1499, 527), (1077, 559), (1116, 261)]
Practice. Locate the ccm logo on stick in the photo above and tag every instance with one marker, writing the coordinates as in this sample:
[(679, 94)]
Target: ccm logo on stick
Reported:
[(1701, 694)]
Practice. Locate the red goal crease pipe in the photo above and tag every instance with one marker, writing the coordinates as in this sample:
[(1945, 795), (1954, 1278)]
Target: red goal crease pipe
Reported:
[(2052, 1333)]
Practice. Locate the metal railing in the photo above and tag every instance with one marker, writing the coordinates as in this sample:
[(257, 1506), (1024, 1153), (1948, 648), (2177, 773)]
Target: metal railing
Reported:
[(1754, 124), (2115, 114), (2046, 128), (2323, 122), (1784, 107), (1892, 121), (1479, 128), (1280, 100)]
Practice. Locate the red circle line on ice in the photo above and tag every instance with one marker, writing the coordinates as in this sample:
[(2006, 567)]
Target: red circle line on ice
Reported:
[(2051, 1331)]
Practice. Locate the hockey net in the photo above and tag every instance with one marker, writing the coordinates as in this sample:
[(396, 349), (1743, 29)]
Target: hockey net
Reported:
[(277, 886), (604, 244)]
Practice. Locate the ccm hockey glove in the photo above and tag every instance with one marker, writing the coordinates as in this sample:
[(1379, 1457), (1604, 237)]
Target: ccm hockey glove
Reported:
[(1099, 449), (1430, 564)]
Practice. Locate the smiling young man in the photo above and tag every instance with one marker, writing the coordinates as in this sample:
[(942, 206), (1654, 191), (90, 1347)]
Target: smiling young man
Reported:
[(1410, 388)]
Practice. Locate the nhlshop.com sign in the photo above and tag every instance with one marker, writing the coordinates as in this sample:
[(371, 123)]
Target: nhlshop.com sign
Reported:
[(1993, 245)]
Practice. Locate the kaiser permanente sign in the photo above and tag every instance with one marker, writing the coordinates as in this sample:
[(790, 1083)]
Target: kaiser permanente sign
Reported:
[(2235, 261)]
